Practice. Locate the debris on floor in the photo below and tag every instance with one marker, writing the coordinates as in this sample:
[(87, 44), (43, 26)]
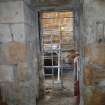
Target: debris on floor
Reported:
[(57, 96)]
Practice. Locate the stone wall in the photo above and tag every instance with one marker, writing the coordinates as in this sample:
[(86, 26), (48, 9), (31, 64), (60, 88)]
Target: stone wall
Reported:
[(55, 3), (18, 61), (93, 37)]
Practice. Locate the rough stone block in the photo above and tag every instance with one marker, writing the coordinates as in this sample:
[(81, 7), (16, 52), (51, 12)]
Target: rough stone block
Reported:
[(28, 15), (5, 35), (30, 33), (6, 31), (13, 53), (26, 89), (94, 75), (24, 72), (11, 12), (28, 1), (95, 53), (95, 97), (9, 91), (6, 73), (18, 32), (88, 75)]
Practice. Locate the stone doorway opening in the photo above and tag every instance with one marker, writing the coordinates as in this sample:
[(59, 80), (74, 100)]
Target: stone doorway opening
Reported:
[(57, 29)]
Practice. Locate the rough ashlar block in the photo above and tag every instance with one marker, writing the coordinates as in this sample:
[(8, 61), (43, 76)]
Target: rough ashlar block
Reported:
[(18, 32), (5, 35), (28, 15), (24, 72), (6, 73), (11, 12), (13, 53)]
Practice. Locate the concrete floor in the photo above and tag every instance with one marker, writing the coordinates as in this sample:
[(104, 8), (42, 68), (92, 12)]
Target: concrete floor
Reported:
[(57, 96)]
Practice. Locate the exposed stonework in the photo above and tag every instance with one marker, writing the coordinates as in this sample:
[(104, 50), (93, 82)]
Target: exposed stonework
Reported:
[(94, 52), (13, 53), (88, 75), (19, 48), (18, 61), (94, 96), (55, 3)]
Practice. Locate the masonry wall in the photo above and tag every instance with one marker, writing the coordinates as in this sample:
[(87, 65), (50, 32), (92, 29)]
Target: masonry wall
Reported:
[(18, 61), (93, 37)]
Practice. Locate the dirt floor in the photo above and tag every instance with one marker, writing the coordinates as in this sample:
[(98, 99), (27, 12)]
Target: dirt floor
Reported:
[(58, 95)]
